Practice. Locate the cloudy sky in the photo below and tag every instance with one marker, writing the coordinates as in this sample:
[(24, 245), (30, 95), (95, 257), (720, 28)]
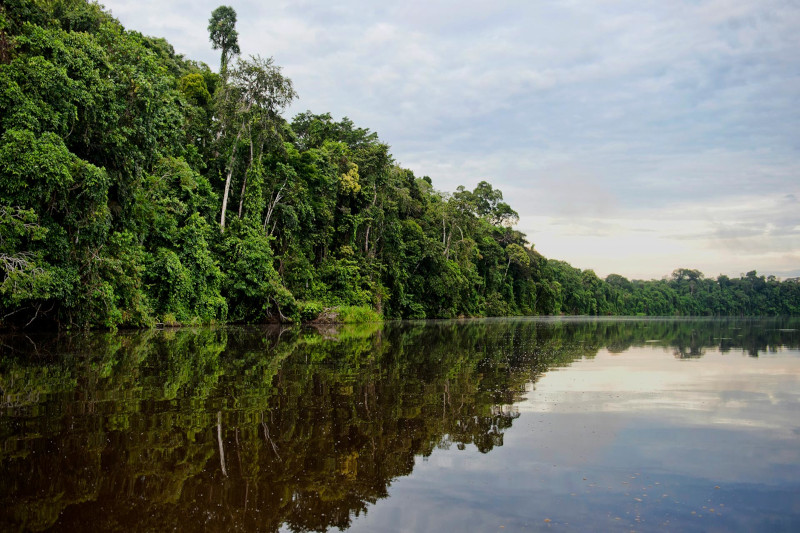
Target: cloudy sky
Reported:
[(632, 136)]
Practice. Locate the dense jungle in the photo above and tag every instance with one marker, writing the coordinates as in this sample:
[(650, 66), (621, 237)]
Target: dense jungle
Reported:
[(139, 187)]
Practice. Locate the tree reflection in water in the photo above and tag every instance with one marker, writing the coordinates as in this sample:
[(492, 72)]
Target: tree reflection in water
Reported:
[(255, 428)]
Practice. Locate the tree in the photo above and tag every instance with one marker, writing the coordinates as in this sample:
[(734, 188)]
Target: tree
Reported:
[(489, 203), (251, 106), (223, 35), (119, 157), (516, 255)]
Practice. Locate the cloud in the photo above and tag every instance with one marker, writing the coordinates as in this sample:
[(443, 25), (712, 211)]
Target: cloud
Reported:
[(729, 235), (602, 121)]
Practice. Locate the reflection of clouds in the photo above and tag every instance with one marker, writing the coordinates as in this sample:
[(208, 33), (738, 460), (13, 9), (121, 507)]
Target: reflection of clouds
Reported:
[(724, 418), (737, 392)]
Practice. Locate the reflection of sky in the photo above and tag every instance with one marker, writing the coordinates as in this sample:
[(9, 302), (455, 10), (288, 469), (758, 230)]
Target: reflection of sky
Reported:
[(639, 440), (730, 389)]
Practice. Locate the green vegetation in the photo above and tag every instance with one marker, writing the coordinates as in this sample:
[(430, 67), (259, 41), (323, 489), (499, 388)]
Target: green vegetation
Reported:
[(139, 187), (356, 314)]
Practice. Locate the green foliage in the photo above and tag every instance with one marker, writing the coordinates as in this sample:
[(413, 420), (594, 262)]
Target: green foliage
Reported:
[(223, 35), (354, 314), (252, 286), (309, 310), (194, 89), (26, 277), (121, 161)]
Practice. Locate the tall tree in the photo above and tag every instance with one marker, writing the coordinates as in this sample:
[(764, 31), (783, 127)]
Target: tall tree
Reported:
[(251, 105), (223, 35)]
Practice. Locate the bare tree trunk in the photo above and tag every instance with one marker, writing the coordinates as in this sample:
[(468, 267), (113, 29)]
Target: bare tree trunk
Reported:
[(369, 226), (271, 207), (283, 318), (244, 181), (225, 196), (449, 239), (506, 272), (228, 180)]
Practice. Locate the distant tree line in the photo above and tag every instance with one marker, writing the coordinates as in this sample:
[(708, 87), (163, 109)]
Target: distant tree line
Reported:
[(138, 186), (686, 292)]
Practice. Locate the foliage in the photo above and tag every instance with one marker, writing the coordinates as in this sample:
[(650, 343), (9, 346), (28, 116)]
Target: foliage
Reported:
[(138, 187), (223, 35), (352, 314)]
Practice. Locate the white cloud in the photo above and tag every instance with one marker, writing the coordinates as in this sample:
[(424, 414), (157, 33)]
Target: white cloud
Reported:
[(598, 119)]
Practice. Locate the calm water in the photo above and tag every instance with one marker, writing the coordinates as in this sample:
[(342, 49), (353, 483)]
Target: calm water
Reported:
[(493, 425)]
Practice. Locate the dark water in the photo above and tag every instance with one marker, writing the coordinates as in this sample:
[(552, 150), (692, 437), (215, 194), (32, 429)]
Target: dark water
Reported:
[(495, 425)]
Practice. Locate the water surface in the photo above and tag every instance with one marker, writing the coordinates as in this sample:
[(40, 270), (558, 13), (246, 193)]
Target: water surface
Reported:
[(490, 425)]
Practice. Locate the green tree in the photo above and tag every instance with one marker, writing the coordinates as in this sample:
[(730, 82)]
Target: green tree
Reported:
[(517, 255), (250, 105), (223, 35)]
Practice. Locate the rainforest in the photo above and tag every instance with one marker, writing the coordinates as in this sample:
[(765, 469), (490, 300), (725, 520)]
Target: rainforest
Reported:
[(139, 187)]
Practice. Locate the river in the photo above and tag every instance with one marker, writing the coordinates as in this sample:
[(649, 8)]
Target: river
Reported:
[(520, 424)]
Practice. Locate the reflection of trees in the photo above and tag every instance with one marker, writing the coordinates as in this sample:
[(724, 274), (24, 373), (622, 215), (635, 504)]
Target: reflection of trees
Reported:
[(686, 337), (135, 428), (108, 431)]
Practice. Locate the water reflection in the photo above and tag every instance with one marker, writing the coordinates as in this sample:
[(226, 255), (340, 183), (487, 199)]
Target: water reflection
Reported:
[(253, 428)]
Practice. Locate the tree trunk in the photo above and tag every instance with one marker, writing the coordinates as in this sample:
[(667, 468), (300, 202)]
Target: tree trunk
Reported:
[(369, 226), (447, 248), (228, 180), (449, 240), (244, 181), (271, 207)]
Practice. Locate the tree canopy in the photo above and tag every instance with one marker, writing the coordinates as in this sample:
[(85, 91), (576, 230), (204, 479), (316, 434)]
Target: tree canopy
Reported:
[(223, 35), (121, 161)]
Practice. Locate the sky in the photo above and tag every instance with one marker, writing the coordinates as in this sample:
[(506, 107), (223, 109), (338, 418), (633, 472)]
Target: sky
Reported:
[(632, 137)]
